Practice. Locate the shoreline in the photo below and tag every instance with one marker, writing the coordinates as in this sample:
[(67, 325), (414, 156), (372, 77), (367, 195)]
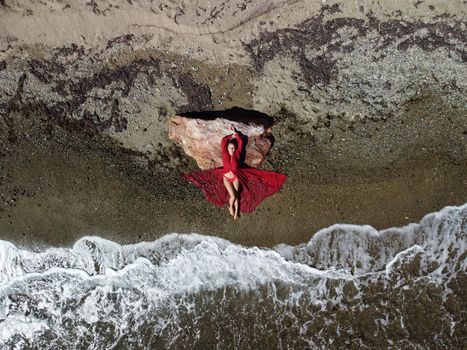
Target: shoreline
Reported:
[(69, 186)]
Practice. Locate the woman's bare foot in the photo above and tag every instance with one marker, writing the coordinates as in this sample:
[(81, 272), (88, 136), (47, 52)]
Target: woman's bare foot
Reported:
[(235, 209), (232, 205)]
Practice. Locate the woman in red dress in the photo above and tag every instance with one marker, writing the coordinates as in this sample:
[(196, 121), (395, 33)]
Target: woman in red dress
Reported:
[(235, 184)]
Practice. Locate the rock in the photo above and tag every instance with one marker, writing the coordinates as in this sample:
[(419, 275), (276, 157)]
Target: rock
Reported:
[(201, 139)]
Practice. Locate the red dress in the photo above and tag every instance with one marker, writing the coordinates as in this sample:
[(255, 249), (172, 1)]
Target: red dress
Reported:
[(255, 184)]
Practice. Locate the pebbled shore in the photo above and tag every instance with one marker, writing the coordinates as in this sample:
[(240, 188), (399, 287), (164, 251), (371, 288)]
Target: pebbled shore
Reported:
[(58, 186)]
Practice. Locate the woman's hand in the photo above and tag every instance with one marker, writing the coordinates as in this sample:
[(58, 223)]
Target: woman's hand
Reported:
[(232, 127)]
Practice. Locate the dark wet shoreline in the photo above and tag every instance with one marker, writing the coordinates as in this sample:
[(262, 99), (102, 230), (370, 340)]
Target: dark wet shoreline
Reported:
[(61, 186)]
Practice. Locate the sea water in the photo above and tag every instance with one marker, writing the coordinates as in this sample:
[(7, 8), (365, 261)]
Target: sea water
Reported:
[(349, 287)]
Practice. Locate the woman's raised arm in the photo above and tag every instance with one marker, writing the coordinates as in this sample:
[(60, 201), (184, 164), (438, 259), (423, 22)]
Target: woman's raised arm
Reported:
[(239, 142), (224, 142)]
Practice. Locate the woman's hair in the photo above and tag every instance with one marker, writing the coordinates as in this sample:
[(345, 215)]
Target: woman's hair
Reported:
[(233, 142)]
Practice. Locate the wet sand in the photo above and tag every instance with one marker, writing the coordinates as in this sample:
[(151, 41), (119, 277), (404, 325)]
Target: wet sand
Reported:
[(58, 187)]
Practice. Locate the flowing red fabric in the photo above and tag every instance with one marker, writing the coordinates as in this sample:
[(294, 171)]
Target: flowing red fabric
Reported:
[(255, 184)]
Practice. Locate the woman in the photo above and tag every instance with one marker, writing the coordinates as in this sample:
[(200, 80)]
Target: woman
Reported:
[(236, 184), (231, 160)]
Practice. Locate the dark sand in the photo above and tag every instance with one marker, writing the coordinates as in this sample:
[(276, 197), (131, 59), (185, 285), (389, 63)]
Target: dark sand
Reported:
[(59, 186)]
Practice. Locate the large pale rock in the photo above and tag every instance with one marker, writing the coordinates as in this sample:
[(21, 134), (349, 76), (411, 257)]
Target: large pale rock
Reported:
[(201, 139)]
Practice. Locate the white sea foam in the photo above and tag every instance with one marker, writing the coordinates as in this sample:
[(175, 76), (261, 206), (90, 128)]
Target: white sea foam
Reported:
[(19, 324), (63, 291), (363, 249)]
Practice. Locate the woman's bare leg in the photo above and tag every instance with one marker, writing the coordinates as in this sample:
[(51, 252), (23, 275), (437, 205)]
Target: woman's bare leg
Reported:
[(230, 188), (236, 205)]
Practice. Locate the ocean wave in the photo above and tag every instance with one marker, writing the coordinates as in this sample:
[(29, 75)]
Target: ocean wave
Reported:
[(348, 286)]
